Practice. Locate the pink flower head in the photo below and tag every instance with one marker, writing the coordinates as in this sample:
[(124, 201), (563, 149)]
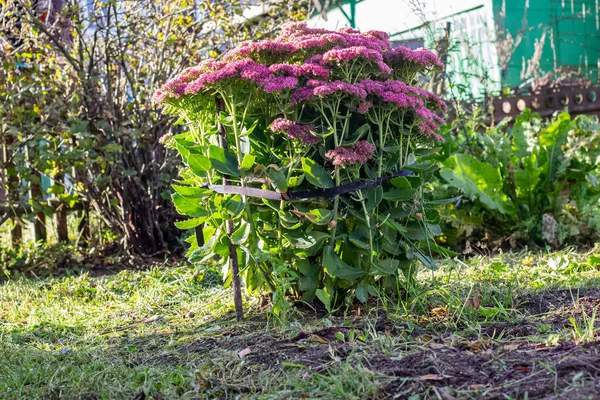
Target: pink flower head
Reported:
[(176, 87), (364, 107), (420, 58), (321, 88), (245, 69), (295, 131), (278, 84), (350, 53), (307, 69), (360, 153), (263, 48)]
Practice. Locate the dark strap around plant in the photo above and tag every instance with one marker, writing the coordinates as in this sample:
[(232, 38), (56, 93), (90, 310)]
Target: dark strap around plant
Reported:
[(305, 194)]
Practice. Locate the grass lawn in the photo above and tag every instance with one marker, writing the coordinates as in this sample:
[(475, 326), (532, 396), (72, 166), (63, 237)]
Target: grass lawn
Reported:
[(511, 326)]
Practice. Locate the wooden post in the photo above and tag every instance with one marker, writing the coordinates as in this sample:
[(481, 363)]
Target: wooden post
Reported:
[(3, 196), (16, 234), (233, 257), (83, 228), (39, 225), (62, 229)]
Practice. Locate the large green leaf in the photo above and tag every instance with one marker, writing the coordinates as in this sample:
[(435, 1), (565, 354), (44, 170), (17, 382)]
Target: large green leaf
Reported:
[(248, 161), (319, 216), (527, 177), (387, 267), (199, 164), (190, 223), (241, 234), (399, 194), (316, 174), (223, 161), (188, 206), (553, 139), (477, 179), (191, 191), (337, 268), (304, 240), (278, 180)]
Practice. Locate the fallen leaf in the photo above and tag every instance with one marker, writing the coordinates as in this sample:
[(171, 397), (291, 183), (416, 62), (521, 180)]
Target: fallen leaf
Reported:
[(244, 352), (434, 377), (319, 339), (511, 347), (213, 328), (304, 395), (477, 386), (439, 311), (443, 394), (473, 302), (477, 345)]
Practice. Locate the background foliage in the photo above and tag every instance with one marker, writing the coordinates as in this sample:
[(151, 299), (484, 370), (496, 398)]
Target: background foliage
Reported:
[(531, 182), (76, 82)]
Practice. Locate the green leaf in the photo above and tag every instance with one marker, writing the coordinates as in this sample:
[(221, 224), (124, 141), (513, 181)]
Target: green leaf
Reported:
[(335, 267), (399, 194), (303, 240), (441, 250), (188, 206), (400, 182), (295, 181), (199, 164), (361, 292), (190, 223), (443, 201), (278, 180), (477, 179), (190, 191), (223, 161), (316, 174), (415, 231), (325, 298), (234, 205), (356, 239), (359, 133), (241, 234), (248, 161), (427, 261), (374, 197), (319, 216), (388, 267), (527, 178)]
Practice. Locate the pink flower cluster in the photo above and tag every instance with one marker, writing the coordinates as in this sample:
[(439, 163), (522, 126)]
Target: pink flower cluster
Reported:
[(339, 55), (275, 66), (307, 69), (295, 131), (403, 55), (360, 153), (316, 88), (305, 38)]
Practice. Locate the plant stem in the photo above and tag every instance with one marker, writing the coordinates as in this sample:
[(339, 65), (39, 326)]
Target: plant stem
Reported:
[(368, 220)]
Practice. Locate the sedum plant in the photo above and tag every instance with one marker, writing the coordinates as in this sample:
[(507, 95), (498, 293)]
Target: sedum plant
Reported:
[(301, 162)]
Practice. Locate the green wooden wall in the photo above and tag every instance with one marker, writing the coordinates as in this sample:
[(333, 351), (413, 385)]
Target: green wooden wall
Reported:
[(554, 33)]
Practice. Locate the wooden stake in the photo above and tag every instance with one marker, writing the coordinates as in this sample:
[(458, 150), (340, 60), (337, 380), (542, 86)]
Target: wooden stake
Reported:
[(39, 225), (230, 228), (62, 229), (16, 234)]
